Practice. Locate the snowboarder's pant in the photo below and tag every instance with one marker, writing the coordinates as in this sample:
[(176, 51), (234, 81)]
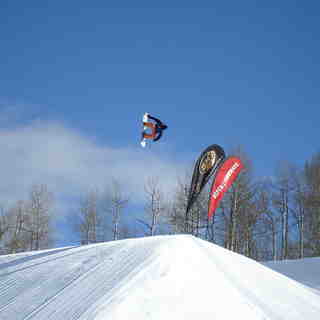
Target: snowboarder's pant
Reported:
[(152, 126)]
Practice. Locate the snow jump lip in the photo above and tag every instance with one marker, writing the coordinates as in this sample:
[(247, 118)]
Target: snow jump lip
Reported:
[(176, 277)]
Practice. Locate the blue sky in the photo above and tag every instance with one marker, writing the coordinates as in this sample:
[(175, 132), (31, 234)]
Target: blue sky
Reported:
[(232, 73)]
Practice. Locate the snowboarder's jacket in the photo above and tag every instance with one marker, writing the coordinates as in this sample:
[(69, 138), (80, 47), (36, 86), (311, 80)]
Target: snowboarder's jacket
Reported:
[(157, 128)]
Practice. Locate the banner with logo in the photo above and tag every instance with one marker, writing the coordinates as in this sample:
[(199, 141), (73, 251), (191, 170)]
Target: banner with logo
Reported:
[(205, 167), (224, 178)]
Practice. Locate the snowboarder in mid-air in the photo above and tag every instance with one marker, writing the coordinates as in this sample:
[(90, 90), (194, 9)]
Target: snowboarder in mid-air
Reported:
[(156, 127)]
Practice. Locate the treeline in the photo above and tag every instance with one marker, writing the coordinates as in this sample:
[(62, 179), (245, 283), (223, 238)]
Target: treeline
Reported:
[(27, 225), (273, 218), (265, 219)]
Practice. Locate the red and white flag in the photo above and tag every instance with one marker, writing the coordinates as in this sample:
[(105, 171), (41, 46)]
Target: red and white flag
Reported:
[(224, 178)]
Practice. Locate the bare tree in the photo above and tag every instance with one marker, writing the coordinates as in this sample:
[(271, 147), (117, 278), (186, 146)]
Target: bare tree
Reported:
[(27, 224), (18, 238), (88, 219), (281, 197), (176, 215), (4, 227), (299, 207), (257, 221), (39, 209), (269, 223), (236, 204), (312, 206), (154, 206), (196, 221), (118, 202)]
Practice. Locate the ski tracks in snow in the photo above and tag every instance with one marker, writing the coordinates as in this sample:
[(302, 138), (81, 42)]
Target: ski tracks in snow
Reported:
[(66, 283), (164, 277)]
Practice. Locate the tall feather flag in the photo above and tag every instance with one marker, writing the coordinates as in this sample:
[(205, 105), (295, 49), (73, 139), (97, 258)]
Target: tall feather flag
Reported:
[(224, 177), (205, 167)]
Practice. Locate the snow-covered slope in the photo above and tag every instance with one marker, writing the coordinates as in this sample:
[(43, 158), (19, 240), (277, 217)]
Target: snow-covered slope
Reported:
[(306, 271), (164, 277)]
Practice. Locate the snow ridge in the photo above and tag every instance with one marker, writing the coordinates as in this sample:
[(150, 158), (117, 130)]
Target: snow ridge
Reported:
[(176, 277)]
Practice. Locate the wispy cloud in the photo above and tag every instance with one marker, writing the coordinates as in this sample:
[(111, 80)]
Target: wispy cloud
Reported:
[(13, 115), (71, 163)]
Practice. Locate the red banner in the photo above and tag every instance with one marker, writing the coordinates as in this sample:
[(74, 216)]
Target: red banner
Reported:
[(226, 174)]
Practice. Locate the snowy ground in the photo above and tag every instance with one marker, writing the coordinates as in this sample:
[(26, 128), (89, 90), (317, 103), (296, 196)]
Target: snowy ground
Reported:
[(306, 271), (164, 277)]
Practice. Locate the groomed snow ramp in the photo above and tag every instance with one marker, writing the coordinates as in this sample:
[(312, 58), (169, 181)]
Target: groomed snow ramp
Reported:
[(163, 277)]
